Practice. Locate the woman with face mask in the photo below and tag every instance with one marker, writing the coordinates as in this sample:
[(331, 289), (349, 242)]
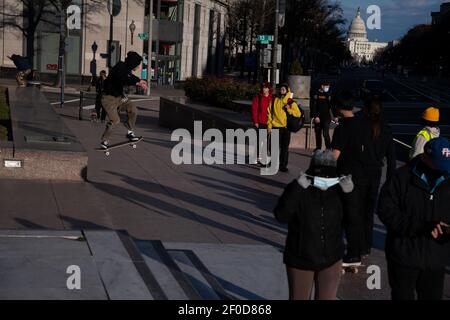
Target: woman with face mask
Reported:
[(312, 208), (321, 112)]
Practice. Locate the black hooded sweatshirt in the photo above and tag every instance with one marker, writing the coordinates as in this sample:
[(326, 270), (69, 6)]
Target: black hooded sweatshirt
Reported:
[(120, 75)]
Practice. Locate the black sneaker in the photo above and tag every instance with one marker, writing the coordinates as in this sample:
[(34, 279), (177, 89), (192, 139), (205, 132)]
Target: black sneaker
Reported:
[(132, 137), (284, 169), (104, 145), (351, 262)]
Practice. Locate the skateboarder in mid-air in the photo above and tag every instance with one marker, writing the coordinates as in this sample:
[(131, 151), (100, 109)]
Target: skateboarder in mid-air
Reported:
[(115, 100)]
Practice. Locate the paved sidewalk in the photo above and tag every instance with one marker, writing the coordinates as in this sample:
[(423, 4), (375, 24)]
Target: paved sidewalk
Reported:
[(143, 192)]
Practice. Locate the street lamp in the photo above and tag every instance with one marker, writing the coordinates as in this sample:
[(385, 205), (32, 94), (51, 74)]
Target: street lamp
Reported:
[(94, 48), (93, 70), (132, 30)]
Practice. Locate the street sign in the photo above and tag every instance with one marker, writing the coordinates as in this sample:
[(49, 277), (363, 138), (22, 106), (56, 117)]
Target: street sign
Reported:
[(265, 39), (266, 55), (143, 36)]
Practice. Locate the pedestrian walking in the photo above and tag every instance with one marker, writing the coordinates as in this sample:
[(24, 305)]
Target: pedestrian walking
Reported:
[(99, 87), (283, 105), (430, 119), (313, 209), (414, 207), (378, 144), (321, 113), (260, 106), (114, 99), (347, 145)]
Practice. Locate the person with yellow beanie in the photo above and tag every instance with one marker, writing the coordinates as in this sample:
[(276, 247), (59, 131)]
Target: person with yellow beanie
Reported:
[(430, 118)]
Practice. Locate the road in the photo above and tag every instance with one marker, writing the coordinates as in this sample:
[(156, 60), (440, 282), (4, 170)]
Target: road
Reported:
[(404, 101)]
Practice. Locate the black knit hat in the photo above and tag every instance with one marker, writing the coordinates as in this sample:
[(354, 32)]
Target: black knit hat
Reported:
[(323, 164), (133, 60)]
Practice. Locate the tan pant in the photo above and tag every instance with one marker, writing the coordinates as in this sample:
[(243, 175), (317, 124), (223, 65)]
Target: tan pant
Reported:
[(22, 76), (114, 105), (326, 283)]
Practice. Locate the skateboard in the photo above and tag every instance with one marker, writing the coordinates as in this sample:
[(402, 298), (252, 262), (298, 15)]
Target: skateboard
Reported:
[(132, 144), (351, 269)]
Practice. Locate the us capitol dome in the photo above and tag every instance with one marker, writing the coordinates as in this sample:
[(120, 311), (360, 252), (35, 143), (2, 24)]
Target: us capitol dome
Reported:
[(359, 45)]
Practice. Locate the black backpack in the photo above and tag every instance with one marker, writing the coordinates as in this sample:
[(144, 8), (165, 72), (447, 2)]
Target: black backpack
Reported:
[(294, 124)]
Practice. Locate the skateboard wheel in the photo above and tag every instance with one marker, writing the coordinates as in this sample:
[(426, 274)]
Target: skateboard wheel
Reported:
[(134, 146), (107, 154)]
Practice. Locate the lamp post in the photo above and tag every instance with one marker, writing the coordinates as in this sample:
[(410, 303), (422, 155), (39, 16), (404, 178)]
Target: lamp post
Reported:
[(62, 54), (150, 49), (94, 48), (132, 30), (93, 70), (275, 46)]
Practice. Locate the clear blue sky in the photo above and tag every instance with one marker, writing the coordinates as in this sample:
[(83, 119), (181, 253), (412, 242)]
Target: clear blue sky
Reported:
[(397, 16)]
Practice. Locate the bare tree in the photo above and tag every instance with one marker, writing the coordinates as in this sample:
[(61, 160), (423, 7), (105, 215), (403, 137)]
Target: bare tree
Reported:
[(28, 15), (246, 19)]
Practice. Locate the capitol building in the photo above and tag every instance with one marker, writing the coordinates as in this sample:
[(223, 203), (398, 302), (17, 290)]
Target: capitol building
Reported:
[(359, 45)]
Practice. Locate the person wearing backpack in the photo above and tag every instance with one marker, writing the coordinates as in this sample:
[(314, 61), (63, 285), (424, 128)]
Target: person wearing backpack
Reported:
[(284, 115), (260, 105), (312, 207)]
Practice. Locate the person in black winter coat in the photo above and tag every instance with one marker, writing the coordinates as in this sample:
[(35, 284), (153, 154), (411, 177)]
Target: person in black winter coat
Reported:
[(321, 112), (378, 144), (414, 207), (312, 208), (114, 99)]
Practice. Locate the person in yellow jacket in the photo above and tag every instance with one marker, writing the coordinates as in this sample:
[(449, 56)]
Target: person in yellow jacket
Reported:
[(430, 117), (277, 120)]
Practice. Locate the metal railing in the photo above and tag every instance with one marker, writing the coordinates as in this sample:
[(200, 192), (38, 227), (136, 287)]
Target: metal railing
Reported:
[(83, 96), (403, 144)]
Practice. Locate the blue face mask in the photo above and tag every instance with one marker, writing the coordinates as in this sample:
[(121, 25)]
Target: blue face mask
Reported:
[(325, 183)]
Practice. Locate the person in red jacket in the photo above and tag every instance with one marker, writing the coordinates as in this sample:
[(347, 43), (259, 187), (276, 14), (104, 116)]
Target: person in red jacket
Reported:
[(260, 105)]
